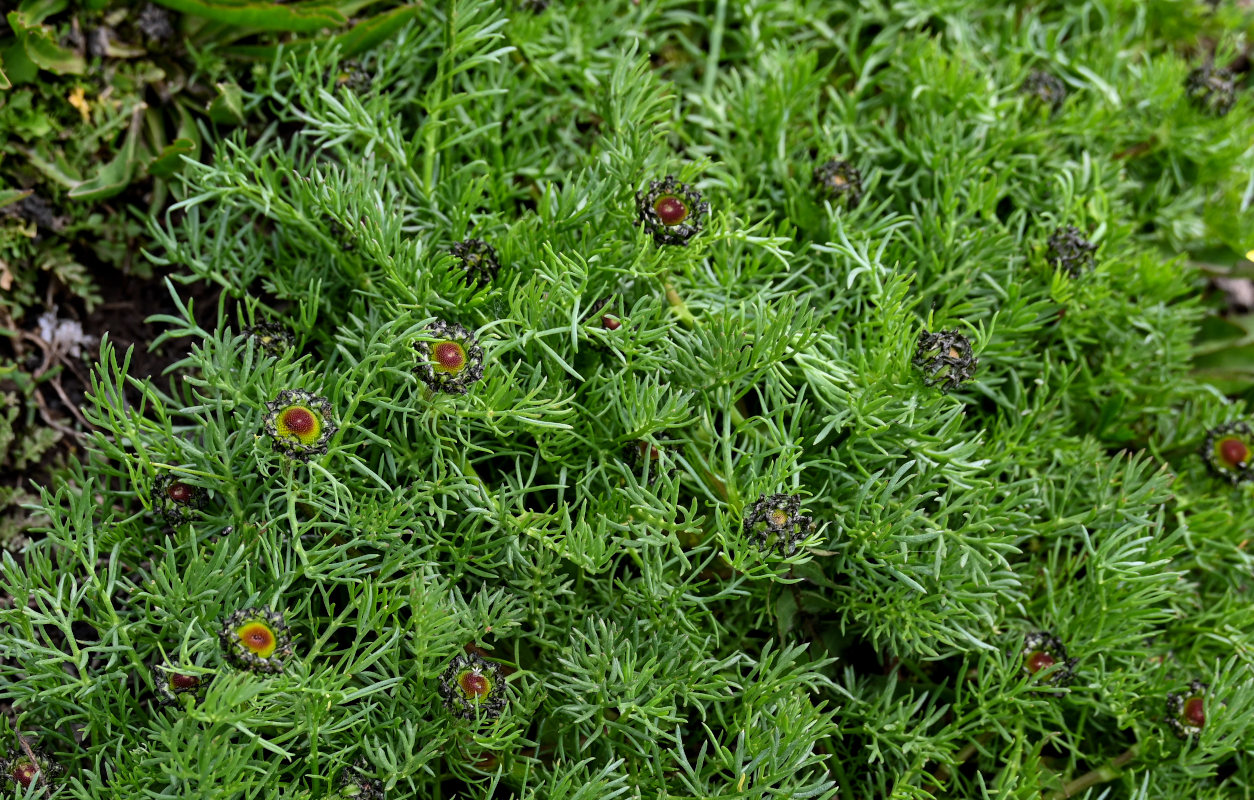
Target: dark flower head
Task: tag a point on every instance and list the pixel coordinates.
(1212, 89)
(945, 358)
(473, 687)
(450, 358)
(339, 233)
(775, 522)
(839, 181)
(300, 424)
(154, 22)
(1227, 449)
(673, 212)
(171, 683)
(1070, 251)
(534, 6)
(21, 770)
(1045, 87)
(256, 639)
(175, 500)
(355, 784)
(353, 77)
(1186, 710)
(478, 260)
(1042, 650)
(271, 337)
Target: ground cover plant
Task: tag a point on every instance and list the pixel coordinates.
(675, 399)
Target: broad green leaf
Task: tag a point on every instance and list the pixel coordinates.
(169, 160)
(8, 196)
(41, 48)
(304, 18)
(114, 176)
(228, 106)
(362, 37)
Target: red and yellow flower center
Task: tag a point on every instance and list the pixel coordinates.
(778, 518)
(449, 357)
(670, 209)
(258, 638)
(184, 683)
(300, 423)
(24, 773)
(1194, 712)
(474, 684)
(1232, 451)
(1038, 661)
(180, 492)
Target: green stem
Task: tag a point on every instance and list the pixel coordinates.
(1100, 775)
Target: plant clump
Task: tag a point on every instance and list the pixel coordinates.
(1227, 450)
(839, 181)
(1070, 251)
(945, 358)
(450, 359)
(300, 424)
(775, 522)
(256, 639)
(473, 687)
(672, 211)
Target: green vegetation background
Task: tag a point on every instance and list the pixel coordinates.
(656, 652)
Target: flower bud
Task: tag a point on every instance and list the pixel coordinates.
(945, 358)
(271, 338)
(1212, 89)
(300, 424)
(1070, 251)
(775, 522)
(673, 212)
(171, 683)
(450, 358)
(1042, 650)
(175, 500)
(1046, 88)
(1227, 450)
(1186, 710)
(478, 260)
(256, 639)
(473, 687)
(839, 181)
(22, 771)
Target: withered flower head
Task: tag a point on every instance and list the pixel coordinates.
(775, 522)
(256, 639)
(300, 423)
(945, 358)
(1227, 450)
(1186, 711)
(170, 683)
(356, 784)
(1042, 650)
(478, 260)
(1212, 89)
(1070, 251)
(449, 358)
(1049, 89)
(175, 500)
(272, 338)
(672, 211)
(20, 770)
(473, 687)
(839, 181)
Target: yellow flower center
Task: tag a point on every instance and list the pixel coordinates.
(299, 423)
(258, 638)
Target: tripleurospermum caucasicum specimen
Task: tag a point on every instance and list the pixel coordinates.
(776, 522)
(256, 639)
(300, 423)
(839, 181)
(272, 338)
(449, 358)
(1186, 710)
(672, 211)
(1212, 89)
(478, 260)
(1070, 251)
(1049, 89)
(1227, 449)
(945, 358)
(473, 687)
(170, 683)
(176, 500)
(20, 770)
(1042, 650)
